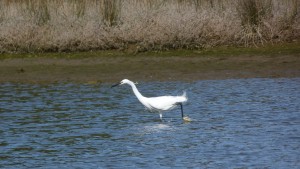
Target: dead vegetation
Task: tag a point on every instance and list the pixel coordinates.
(142, 25)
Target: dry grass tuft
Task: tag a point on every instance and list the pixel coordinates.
(81, 25)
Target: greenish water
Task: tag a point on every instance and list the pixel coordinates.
(241, 123)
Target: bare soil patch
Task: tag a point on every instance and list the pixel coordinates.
(98, 69)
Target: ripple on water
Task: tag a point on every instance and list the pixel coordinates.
(238, 123)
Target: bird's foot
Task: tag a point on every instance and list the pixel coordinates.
(186, 119)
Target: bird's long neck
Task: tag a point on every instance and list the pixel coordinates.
(137, 93)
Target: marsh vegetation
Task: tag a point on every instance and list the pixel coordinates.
(143, 25)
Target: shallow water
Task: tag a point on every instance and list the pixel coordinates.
(251, 123)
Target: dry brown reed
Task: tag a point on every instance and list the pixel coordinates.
(82, 25)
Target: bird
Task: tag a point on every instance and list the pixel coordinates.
(157, 104)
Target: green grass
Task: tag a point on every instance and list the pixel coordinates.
(274, 50)
(271, 49)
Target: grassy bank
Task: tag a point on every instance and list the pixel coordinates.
(273, 50)
(29, 26)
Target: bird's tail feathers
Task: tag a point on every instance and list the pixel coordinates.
(184, 95)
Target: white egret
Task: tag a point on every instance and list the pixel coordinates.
(157, 104)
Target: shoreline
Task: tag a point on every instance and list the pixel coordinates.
(185, 65)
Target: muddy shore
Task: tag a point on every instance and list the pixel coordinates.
(148, 67)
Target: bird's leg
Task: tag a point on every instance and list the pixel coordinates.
(181, 109)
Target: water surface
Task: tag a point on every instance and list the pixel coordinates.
(252, 123)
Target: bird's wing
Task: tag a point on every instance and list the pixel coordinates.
(165, 102)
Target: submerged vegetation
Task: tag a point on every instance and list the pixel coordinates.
(143, 25)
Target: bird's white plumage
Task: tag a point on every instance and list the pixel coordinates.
(164, 103)
(156, 104)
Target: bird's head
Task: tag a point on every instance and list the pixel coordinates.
(124, 81)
